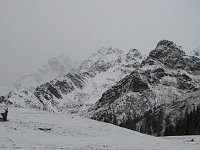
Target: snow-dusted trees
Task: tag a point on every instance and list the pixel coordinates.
(188, 125)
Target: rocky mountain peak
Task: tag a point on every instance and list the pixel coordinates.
(106, 58)
(133, 54)
(171, 55)
(115, 50)
(166, 49)
(166, 44)
(106, 51)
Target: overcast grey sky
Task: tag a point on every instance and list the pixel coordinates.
(31, 31)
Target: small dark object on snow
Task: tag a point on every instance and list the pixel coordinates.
(192, 140)
(45, 129)
(3, 116)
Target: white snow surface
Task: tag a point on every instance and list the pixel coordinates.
(76, 133)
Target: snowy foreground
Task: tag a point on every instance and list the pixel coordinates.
(30, 129)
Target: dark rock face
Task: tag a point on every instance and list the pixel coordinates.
(167, 44)
(53, 89)
(166, 50)
(132, 82)
(172, 57)
(183, 82)
(196, 66)
(77, 79)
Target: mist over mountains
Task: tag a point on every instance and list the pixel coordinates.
(55, 67)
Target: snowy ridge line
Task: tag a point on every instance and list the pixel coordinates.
(82, 87)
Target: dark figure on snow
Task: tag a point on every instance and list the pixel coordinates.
(4, 115)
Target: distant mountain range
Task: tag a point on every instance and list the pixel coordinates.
(55, 67)
(82, 87)
(148, 94)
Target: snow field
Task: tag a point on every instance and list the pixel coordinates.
(31, 129)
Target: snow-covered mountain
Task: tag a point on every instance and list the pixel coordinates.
(166, 77)
(55, 67)
(123, 88)
(195, 52)
(80, 89)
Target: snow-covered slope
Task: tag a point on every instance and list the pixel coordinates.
(23, 98)
(81, 88)
(55, 67)
(30, 129)
(166, 76)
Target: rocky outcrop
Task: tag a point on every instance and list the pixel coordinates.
(173, 57)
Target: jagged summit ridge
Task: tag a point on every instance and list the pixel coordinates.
(166, 44)
(167, 53)
(109, 57)
(82, 87)
(166, 49)
(103, 57)
(163, 78)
